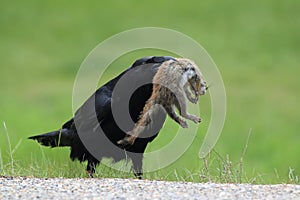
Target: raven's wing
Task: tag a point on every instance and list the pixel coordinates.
(98, 106)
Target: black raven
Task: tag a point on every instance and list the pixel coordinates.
(82, 131)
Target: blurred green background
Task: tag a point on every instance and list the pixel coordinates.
(255, 44)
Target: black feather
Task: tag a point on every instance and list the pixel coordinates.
(102, 100)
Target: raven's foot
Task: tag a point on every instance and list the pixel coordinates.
(90, 174)
(138, 175)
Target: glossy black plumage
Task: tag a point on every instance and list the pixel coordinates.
(100, 104)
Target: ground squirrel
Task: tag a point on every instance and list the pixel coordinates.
(172, 84)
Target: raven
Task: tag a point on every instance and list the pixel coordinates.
(94, 123)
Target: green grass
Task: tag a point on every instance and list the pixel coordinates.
(255, 44)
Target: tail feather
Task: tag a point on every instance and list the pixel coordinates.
(57, 138)
(66, 137)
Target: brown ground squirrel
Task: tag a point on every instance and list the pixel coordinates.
(172, 84)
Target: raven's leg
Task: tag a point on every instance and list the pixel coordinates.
(91, 168)
(137, 161)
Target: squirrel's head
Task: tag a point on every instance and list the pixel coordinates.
(194, 76)
(198, 85)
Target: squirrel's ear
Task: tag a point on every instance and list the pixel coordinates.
(172, 62)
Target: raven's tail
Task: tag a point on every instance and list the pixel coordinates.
(57, 138)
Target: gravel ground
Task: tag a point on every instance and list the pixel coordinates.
(61, 188)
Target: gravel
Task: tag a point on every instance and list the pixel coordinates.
(62, 188)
